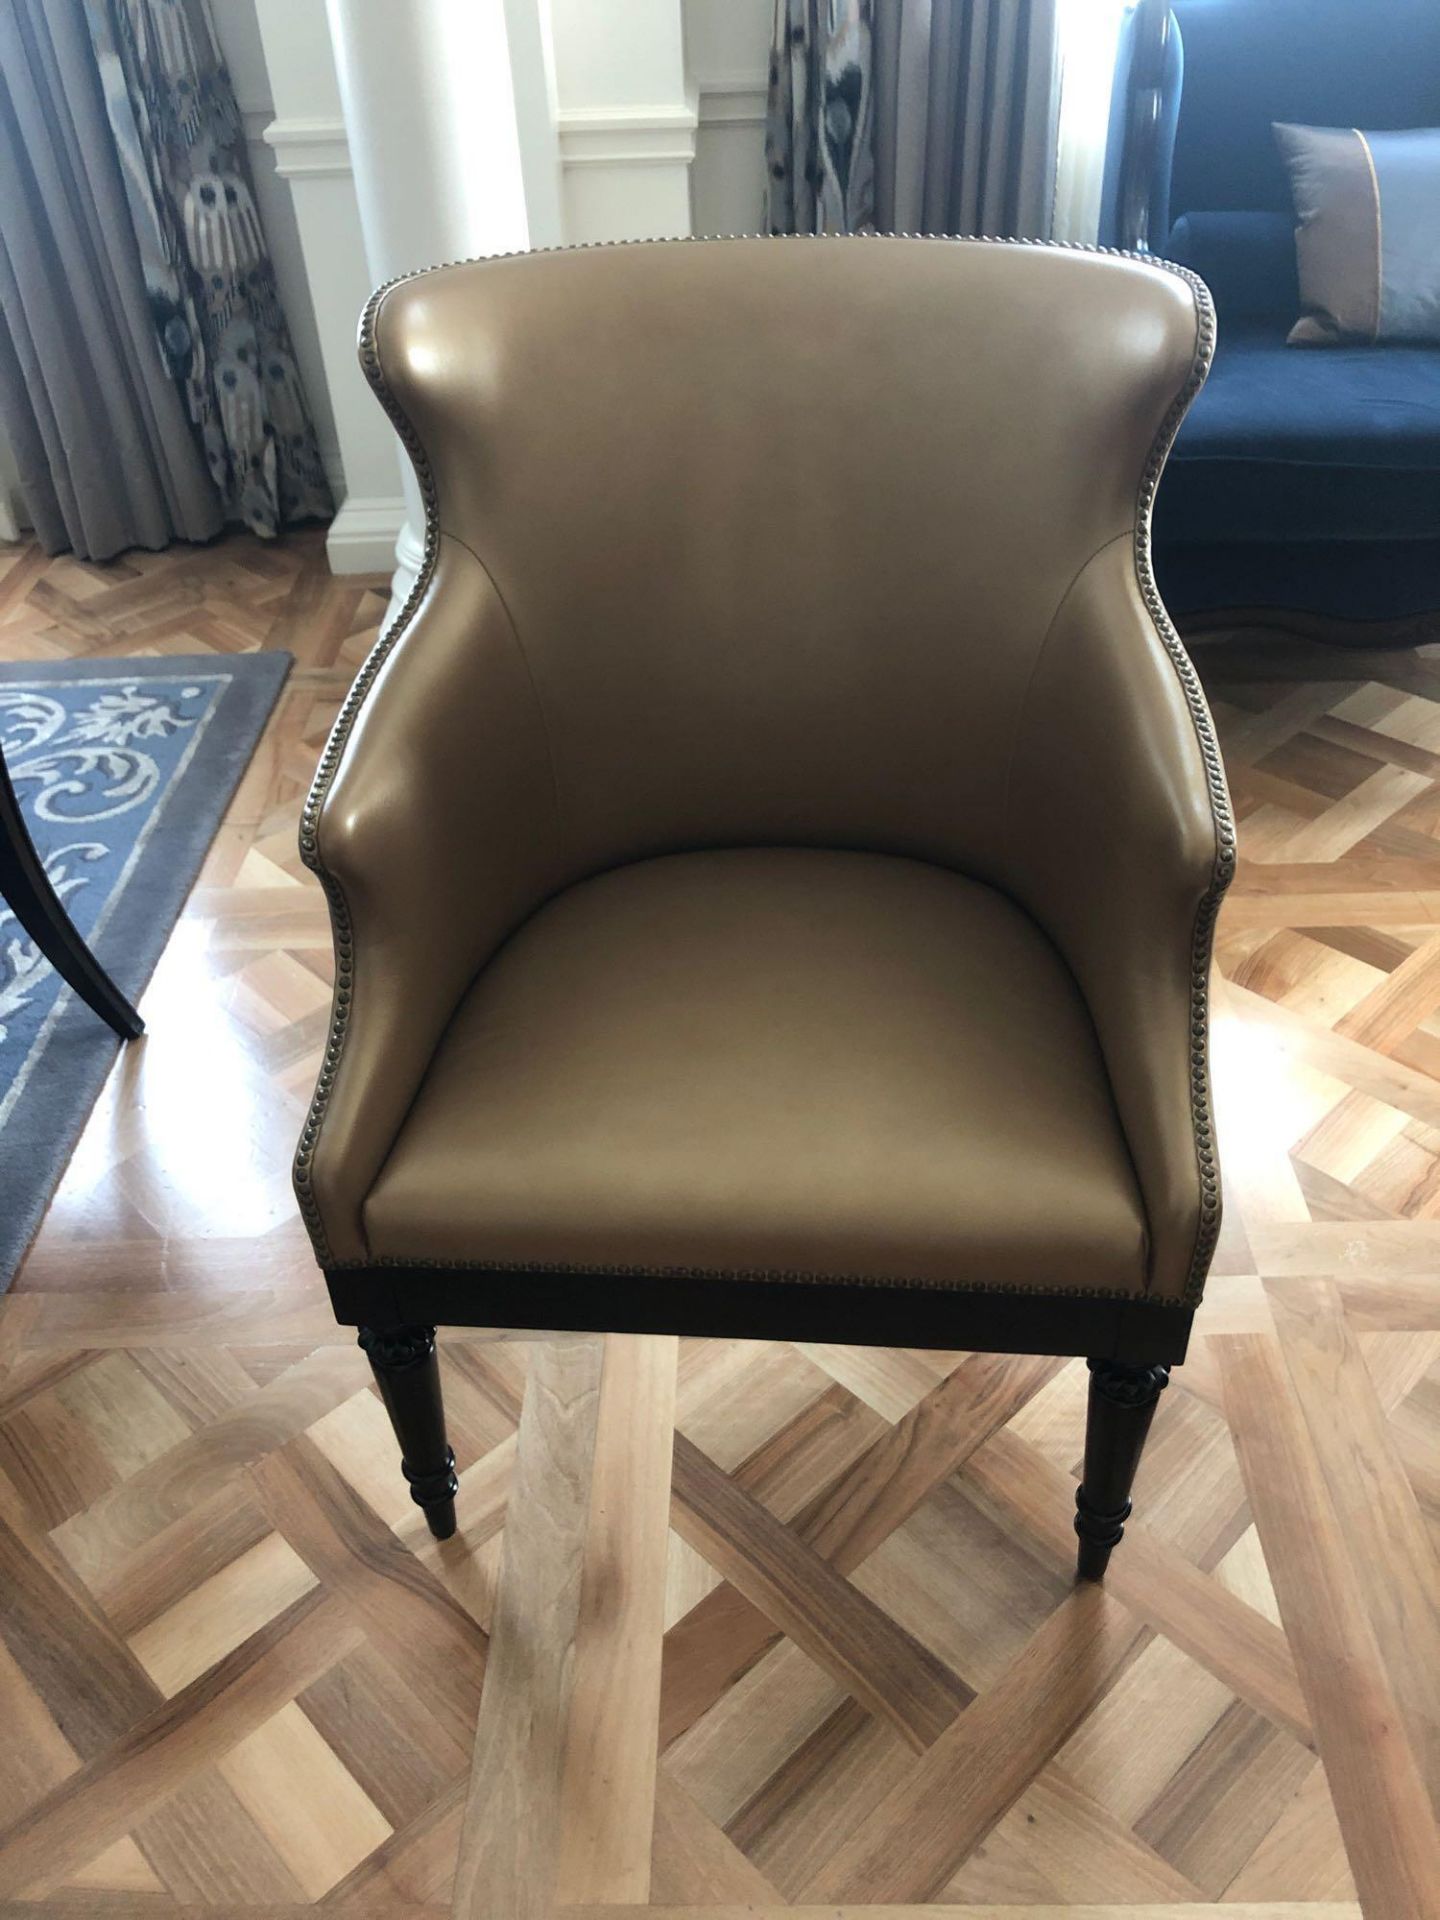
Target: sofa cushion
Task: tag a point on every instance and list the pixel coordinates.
(1246, 259)
(1358, 406)
(1281, 445)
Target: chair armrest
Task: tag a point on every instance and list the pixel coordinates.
(433, 827)
(1122, 845)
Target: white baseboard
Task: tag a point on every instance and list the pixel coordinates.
(362, 535)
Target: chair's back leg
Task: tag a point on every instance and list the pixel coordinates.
(1122, 1405)
(408, 1374)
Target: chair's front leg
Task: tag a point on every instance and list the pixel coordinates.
(408, 1374)
(1122, 1405)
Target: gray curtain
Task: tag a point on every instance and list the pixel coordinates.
(967, 106)
(960, 110)
(106, 455)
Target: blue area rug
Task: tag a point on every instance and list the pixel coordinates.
(123, 770)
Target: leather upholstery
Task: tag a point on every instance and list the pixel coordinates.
(778, 1059)
(827, 546)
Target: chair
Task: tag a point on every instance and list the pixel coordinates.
(1305, 481)
(773, 855)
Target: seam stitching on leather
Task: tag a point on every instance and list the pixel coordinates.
(525, 662)
(1126, 533)
(342, 930)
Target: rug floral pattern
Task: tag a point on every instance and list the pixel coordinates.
(123, 770)
(91, 763)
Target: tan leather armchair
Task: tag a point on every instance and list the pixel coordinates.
(774, 855)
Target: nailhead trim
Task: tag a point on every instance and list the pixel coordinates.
(760, 1275)
(1223, 872)
(342, 928)
(1203, 940)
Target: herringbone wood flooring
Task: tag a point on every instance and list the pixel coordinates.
(760, 1627)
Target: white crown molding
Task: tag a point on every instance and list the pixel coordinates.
(255, 116)
(733, 100)
(308, 147)
(588, 136)
(645, 136)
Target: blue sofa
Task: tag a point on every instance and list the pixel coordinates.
(1305, 479)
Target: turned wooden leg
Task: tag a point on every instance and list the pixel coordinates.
(1122, 1405)
(405, 1366)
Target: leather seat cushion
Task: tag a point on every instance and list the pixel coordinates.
(771, 1062)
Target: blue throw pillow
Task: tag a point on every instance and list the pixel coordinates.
(1368, 239)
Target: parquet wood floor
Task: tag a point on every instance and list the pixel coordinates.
(770, 1628)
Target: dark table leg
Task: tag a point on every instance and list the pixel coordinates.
(25, 887)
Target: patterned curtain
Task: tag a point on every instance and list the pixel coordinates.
(212, 290)
(105, 454)
(916, 116)
(820, 168)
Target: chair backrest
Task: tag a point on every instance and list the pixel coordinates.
(782, 525)
(1329, 63)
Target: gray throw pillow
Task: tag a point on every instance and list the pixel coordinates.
(1368, 239)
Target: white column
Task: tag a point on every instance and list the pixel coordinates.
(627, 118)
(430, 110)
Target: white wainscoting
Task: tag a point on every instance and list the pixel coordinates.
(625, 170)
(728, 177)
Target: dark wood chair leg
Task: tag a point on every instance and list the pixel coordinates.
(408, 1374)
(1122, 1405)
(25, 888)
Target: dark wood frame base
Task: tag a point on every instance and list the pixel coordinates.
(858, 1316)
(1131, 1346)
